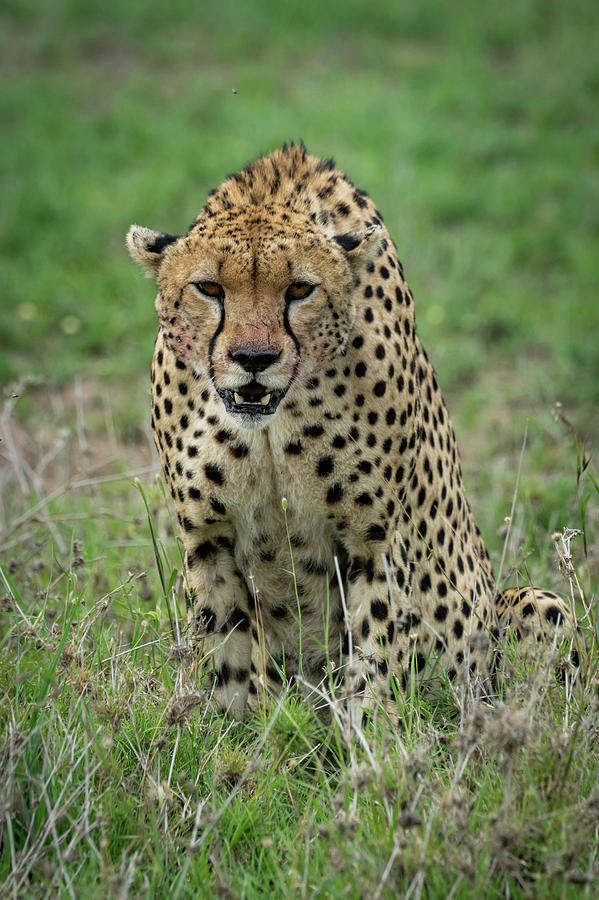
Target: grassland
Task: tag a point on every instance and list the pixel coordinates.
(475, 129)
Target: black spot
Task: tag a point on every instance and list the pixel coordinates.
(334, 493)
(379, 610)
(324, 466)
(205, 550)
(239, 620)
(217, 506)
(223, 676)
(315, 567)
(272, 672)
(313, 431)
(458, 628)
(239, 450)
(168, 406)
(375, 532)
(379, 388)
(338, 442)
(347, 241)
(214, 473)
(365, 628)
(425, 583)
(553, 614)
(390, 416)
(364, 499)
(360, 370)
(441, 612)
(293, 448)
(279, 612)
(205, 619)
(182, 387)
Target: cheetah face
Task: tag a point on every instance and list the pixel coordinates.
(257, 298)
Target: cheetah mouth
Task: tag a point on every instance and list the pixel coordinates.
(251, 399)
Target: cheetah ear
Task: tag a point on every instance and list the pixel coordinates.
(361, 246)
(145, 247)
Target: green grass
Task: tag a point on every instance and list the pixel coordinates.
(119, 778)
(474, 127)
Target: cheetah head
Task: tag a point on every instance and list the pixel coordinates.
(257, 298)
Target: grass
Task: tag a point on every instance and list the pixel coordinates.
(119, 777)
(474, 128)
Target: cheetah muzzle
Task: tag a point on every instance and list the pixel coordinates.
(287, 364)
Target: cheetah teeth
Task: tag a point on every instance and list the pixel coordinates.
(265, 400)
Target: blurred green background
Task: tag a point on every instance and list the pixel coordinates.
(473, 125)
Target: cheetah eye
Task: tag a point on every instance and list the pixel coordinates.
(209, 289)
(299, 290)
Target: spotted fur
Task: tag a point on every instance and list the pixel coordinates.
(328, 400)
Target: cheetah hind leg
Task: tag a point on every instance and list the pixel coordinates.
(535, 616)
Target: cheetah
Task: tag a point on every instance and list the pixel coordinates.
(308, 449)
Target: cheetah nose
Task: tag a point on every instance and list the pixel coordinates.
(255, 360)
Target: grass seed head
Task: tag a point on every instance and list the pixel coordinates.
(181, 706)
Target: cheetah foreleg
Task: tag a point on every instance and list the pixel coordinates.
(220, 626)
